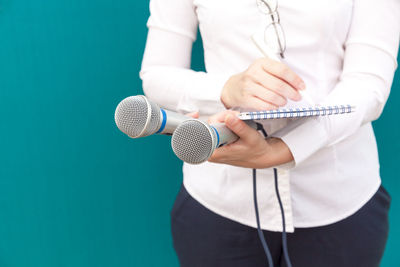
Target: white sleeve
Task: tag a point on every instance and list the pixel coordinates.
(166, 74)
(369, 64)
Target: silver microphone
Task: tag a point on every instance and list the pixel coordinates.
(137, 116)
(194, 141)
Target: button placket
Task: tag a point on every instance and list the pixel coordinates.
(284, 192)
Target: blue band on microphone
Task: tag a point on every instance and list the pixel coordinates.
(164, 121)
(215, 130)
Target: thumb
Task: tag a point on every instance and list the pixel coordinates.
(239, 127)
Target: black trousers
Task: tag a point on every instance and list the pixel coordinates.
(204, 239)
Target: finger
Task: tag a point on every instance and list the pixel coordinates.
(220, 116)
(254, 103)
(219, 154)
(267, 95)
(283, 72)
(239, 127)
(278, 86)
(225, 153)
(194, 115)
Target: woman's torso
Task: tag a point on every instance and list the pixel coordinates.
(335, 181)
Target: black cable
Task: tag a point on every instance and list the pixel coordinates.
(260, 127)
(260, 233)
(284, 238)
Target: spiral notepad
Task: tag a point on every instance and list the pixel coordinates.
(296, 112)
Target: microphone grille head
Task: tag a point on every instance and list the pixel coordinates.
(155, 120)
(193, 141)
(137, 117)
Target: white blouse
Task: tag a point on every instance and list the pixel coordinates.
(344, 50)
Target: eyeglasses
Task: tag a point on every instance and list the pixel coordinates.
(274, 37)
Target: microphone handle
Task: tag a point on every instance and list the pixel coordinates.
(224, 135)
(170, 120)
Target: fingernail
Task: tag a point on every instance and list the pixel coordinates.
(302, 86)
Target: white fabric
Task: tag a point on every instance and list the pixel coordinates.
(346, 53)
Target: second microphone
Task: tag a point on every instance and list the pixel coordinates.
(194, 141)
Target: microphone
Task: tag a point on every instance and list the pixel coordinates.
(194, 141)
(136, 116)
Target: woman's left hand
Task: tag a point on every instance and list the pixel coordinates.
(251, 150)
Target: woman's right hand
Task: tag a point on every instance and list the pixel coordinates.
(265, 85)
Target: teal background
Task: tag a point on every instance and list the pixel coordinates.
(74, 191)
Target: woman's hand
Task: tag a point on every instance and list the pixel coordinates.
(251, 150)
(265, 85)
(194, 115)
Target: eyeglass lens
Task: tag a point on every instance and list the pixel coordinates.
(275, 38)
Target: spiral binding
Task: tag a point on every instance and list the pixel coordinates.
(296, 112)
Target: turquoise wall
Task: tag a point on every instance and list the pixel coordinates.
(74, 191)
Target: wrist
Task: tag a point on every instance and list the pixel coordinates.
(225, 97)
(227, 93)
(278, 152)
